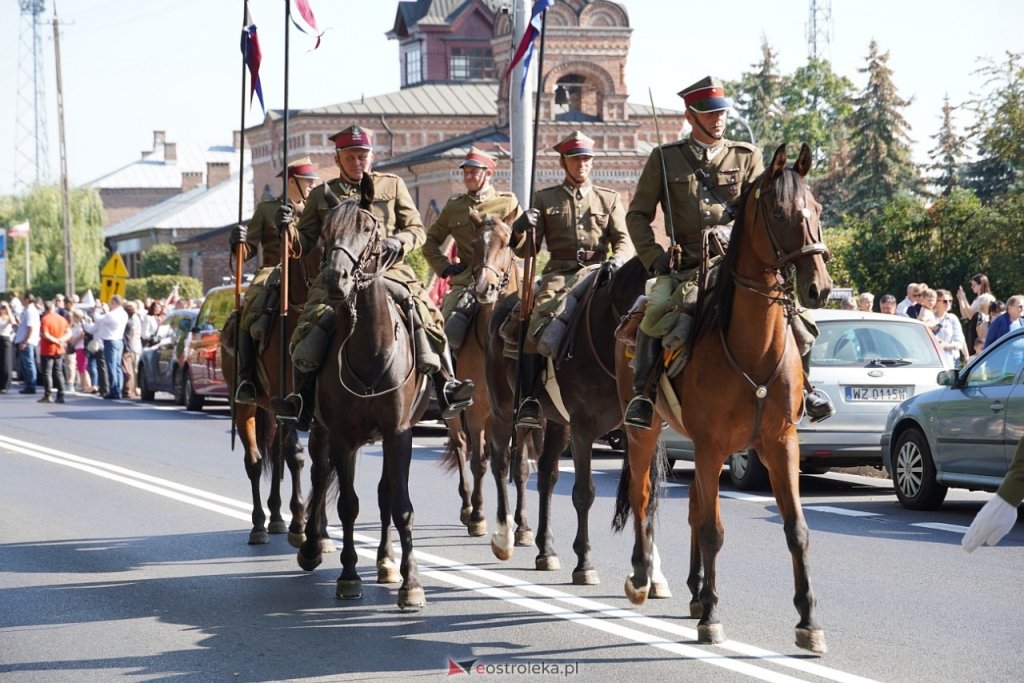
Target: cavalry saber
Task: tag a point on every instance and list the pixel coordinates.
(285, 234)
(667, 207)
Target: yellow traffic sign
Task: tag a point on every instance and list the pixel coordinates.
(112, 278)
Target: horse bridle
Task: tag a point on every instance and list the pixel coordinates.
(371, 251)
(503, 275)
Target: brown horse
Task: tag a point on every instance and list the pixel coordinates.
(257, 429)
(368, 389)
(743, 386)
(589, 399)
(495, 276)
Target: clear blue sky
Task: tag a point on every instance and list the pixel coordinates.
(132, 66)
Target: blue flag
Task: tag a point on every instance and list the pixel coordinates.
(253, 56)
(525, 50)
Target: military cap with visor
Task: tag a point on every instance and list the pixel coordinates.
(352, 137)
(576, 144)
(706, 95)
(479, 158)
(301, 168)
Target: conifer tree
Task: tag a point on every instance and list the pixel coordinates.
(757, 102)
(881, 167)
(948, 154)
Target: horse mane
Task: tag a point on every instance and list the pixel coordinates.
(785, 188)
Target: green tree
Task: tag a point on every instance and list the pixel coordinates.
(998, 131)
(881, 167)
(757, 101)
(160, 259)
(948, 154)
(818, 107)
(41, 207)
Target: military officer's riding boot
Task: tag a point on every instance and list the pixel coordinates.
(297, 406)
(529, 413)
(817, 404)
(453, 395)
(245, 392)
(640, 410)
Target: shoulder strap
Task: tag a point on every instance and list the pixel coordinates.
(704, 179)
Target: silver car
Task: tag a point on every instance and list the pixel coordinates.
(867, 363)
(963, 434)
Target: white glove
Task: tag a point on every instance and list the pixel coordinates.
(990, 524)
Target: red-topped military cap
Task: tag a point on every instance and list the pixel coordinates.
(576, 144)
(706, 95)
(353, 136)
(480, 158)
(301, 168)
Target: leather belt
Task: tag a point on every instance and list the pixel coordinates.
(581, 255)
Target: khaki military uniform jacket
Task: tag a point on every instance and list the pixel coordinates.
(262, 232)
(454, 221)
(392, 205)
(579, 224)
(731, 171)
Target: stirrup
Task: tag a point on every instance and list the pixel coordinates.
(528, 415)
(639, 412)
(458, 395)
(245, 393)
(819, 408)
(287, 409)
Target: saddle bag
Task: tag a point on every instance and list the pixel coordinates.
(313, 336)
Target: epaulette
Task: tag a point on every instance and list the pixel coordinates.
(502, 193)
(609, 190)
(743, 145)
(384, 175)
(456, 196)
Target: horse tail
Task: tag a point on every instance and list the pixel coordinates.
(450, 458)
(534, 444)
(659, 471)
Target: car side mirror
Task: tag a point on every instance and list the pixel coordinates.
(947, 378)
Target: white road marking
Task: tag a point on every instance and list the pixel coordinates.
(583, 611)
(748, 497)
(840, 511)
(939, 526)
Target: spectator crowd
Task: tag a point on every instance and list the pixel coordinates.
(68, 345)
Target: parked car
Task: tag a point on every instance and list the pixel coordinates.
(160, 364)
(202, 377)
(963, 434)
(867, 363)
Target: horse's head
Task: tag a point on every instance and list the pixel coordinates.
(351, 239)
(791, 243)
(493, 261)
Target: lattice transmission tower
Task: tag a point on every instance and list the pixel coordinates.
(819, 30)
(31, 164)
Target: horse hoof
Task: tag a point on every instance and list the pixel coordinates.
(696, 609)
(309, 563)
(660, 590)
(387, 572)
(411, 598)
(636, 594)
(296, 539)
(258, 537)
(278, 527)
(547, 563)
(500, 550)
(811, 639)
(524, 538)
(478, 528)
(349, 589)
(327, 546)
(585, 577)
(710, 634)
(465, 514)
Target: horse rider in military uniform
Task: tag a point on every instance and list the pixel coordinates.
(460, 303)
(263, 232)
(705, 175)
(579, 222)
(402, 232)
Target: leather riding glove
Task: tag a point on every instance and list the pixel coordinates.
(453, 269)
(238, 235)
(526, 221)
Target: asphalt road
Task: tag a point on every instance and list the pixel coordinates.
(123, 556)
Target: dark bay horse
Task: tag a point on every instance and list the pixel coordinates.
(368, 389)
(590, 402)
(266, 452)
(743, 387)
(495, 276)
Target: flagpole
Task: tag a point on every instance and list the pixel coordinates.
(283, 369)
(536, 107)
(240, 247)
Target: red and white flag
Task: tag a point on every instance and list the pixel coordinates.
(18, 230)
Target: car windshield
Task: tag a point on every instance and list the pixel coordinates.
(873, 343)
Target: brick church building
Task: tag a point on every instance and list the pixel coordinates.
(451, 56)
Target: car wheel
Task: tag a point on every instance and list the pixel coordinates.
(913, 473)
(145, 392)
(193, 401)
(179, 387)
(747, 473)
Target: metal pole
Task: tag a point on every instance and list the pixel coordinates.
(519, 123)
(65, 192)
(283, 377)
(240, 247)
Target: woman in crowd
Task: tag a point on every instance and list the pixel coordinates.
(7, 324)
(976, 312)
(947, 330)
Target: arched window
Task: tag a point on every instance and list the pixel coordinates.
(574, 99)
